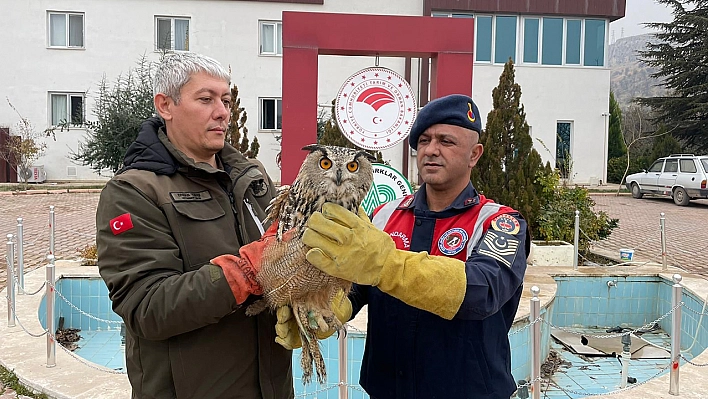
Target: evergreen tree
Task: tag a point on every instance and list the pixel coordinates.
(509, 166)
(329, 134)
(680, 56)
(664, 145)
(615, 142)
(237, 125)
(119, 112)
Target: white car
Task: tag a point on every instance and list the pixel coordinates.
(679, 176)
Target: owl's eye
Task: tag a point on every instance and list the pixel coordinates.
(325, 163)
(352, 166)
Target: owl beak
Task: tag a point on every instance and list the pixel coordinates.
(339, 177)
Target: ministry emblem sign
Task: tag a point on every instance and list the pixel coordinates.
(375, 108)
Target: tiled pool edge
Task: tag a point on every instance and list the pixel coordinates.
(27, 355)
(71, 379)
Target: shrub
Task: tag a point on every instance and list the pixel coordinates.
(556, 220)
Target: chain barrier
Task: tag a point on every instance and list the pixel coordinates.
(692, 363)
(317, 392)
(587, 394)
(696, 312)
(90, 316)
(84, 361)
(17, 284)
(538, 320)
(528, 384)
(604, 336)
(17, 319)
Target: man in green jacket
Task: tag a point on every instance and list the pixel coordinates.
(179, 241)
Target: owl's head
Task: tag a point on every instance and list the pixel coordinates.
(341, 175)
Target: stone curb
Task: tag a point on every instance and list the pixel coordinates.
(59, 191)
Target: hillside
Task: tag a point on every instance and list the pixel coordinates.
(631, 78)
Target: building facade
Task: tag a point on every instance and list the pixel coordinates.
(58, 51)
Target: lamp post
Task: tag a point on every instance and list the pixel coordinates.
(604, 153)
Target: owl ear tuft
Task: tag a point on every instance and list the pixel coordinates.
(313, 147)
(365, 154)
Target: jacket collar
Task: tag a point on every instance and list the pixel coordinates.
(467, 198)
(153, 151)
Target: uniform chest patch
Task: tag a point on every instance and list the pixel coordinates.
(190, 196)
(506, 224)
(452, 241)
(401, 238)
(500, 246)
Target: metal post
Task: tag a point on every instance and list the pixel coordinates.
(676, 297)
(51, 230)
(20, 256)
(51, 328)
(343, 391)
(535, 343)
(575, 243)
(626, 356)
(10, 282)
(664, 267)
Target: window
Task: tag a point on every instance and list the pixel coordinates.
(172, 33)
(552, 44)
(572, 41)
(66, 107)
(671, 166)
(594, 42)
(271, 113)
(484, 38)
(66, 29)
(505, 39)
(656, 166)
(563, 154)
(271, 38)
(531, 40)
(687, 166)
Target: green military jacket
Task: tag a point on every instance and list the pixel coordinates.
(159, 222)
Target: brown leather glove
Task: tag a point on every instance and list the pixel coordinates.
(240, 271)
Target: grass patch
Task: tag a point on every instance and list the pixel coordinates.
(8, 379)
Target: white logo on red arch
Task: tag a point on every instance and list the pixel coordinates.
(452, 241)
(375, 108)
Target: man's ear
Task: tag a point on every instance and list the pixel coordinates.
(163, 105)
(477, 152)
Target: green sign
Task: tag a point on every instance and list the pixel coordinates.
(388, 185)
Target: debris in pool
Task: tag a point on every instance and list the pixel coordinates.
(67, 337)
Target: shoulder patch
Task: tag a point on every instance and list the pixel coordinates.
(499, 246)
(506, 224)
(121, 224)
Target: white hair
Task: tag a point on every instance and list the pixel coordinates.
(175, 70)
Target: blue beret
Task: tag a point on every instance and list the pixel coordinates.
(454, 109)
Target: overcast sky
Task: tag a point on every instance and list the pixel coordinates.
(637, 12)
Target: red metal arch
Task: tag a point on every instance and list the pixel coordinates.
(448, 41)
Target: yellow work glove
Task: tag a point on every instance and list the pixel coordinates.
(286, 328)
(350, 247)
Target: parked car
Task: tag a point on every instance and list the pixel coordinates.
(679, 176)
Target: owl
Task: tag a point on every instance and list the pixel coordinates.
(328, 174)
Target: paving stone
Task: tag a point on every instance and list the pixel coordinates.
(75, 227)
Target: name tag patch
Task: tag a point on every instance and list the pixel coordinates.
(499, 246)
(190, 196)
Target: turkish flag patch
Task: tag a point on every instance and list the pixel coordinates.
(121, 224)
